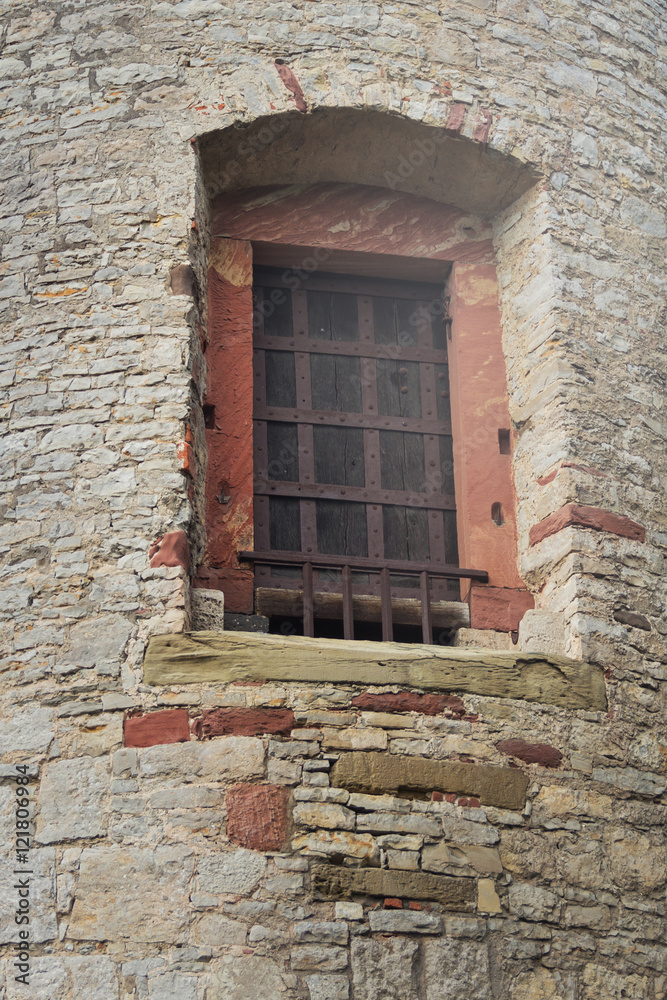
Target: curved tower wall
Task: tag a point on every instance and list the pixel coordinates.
(150, 878)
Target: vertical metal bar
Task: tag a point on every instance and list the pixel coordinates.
(427, 634)
(385, 601)
(348, 612)
(308, 605)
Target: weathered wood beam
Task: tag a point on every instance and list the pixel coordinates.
(405, 611)
(209, 657)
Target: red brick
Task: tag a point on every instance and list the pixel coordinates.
(245, 722)
(437, 796)
(413, 905)
(482, 126)
(172, 549)
(391, 903)
(456, 118)
(473, 803)
(257, 816)
(498, 608)
(169, 726)
(407, 701)
(531, 753)
(578, 516)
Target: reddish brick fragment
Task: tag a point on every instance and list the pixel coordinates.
(408, 701)
(578, 516)
(456, 118)
(531, 753)
(450, 797)
(482, 125)
(473, 803)
(498, 608)
(437, 796)
(172, 549)
(170, 726)
(257, 816)
(391, 903)
(413, 905)
(292, 84)
(246, 722)
(462, 801)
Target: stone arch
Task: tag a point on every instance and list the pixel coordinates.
(365, 146)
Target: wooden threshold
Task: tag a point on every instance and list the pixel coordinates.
(404, 611)
(230, 657)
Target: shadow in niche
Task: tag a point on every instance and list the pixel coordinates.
(358, 146)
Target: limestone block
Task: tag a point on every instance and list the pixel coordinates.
(230, 871)
(385, 967)
(207, 610)
(538, 984)
(68, 977)
(349, 911)
(391, 823)
(353, 845)
(488, 900)
(214, 930)
(456, 970)
(637, 863)
(172, 986)
(245, 977)
(72, 798)
(445, 857)
(226, 757)
(98, 738)
(354, 739)
(132, 893)
(318, 958)
(482, 638)
(321, 931)
(542, 632)
(99, 643)
(324, 814)
(405, 922)
(531, 902)
(328, 987)
(42, 888)
(29, 728)
(601, 982)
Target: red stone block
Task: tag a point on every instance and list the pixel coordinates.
(413, 905)
(578, 516)
(170, 726)
(531, 753)
(245, 722)
(498, 608)
(450, 797)
(407, 701)
(391, 903)
(482, 126)
(172, 549)
(437, 796)
(473, 803)
(456, 118)
(257, 816)
(462, 801)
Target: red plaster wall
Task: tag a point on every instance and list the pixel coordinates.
(483, 476)
(229, 476)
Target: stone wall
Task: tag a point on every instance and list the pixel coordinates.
(147, 882)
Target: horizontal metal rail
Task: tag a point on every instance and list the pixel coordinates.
(384, 567)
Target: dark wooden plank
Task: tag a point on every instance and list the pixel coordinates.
(355, 494)
(399, 391)
(384, 321)
(446, 463)
(319, 315)
(308, 605)
(268, 277)
(338, 453)
(385, 597)
(442, 392)
(351, 349)
(289, 604)
(341, 528)
(425, 594)
(351, 419)
(280, 380)
(405, 533)
(277, 315)
(336, 383)
(402, 461)
(348, 616)
(284, 524)
(282, 449)
(286, 558)
(408, 322)
(429, 392)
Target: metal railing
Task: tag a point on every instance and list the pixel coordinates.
(309, 562)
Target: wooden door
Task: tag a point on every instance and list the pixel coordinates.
(352, 430)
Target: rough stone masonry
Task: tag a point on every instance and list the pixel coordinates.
(209, 839)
